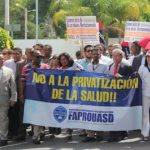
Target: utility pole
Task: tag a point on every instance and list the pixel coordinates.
(36, 8)
(6, 12)
(25, 22)
(25, 19)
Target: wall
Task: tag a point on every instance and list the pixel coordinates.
(59, 45)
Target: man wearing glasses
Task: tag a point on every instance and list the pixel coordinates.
(35, 63)
(88, 57)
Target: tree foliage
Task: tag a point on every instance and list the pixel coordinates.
(52, 14)
(5, 40)
(113, 13)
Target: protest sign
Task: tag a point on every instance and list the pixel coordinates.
(135, 31)
(70, 99)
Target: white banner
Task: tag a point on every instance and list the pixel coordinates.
(83, 116)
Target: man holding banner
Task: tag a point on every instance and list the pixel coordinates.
(35, 63)
(97, 67)
(85, 100)
(118, 69)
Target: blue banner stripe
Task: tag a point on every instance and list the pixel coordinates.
(58, 86)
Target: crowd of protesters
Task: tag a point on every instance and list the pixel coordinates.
(15, 69)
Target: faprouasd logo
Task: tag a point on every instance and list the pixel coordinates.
(60, 114)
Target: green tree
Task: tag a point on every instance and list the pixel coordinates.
(5, 40)
(17, 16)
(118, 11)
(146, 13)
(52, 14)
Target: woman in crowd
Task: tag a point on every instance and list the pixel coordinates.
(144, 72)
(54, 63)
(67, 63)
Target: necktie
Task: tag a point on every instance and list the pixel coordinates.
(115, 69)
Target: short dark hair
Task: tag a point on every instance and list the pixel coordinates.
(38, 44)
(137, 46)
(78, 54)
(110, 45)
(102, 45)
(29, 50)
(87, 47)
(18, 49)
(54, 57)
(49, 47)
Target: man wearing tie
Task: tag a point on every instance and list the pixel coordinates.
(118, 69)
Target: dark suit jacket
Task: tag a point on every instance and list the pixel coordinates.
(136, 63)
(19, 66)
(125, 70)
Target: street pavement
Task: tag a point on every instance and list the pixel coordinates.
(133, 142)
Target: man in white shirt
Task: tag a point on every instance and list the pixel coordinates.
(103, 59)
(95, 66)
(11, 63)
